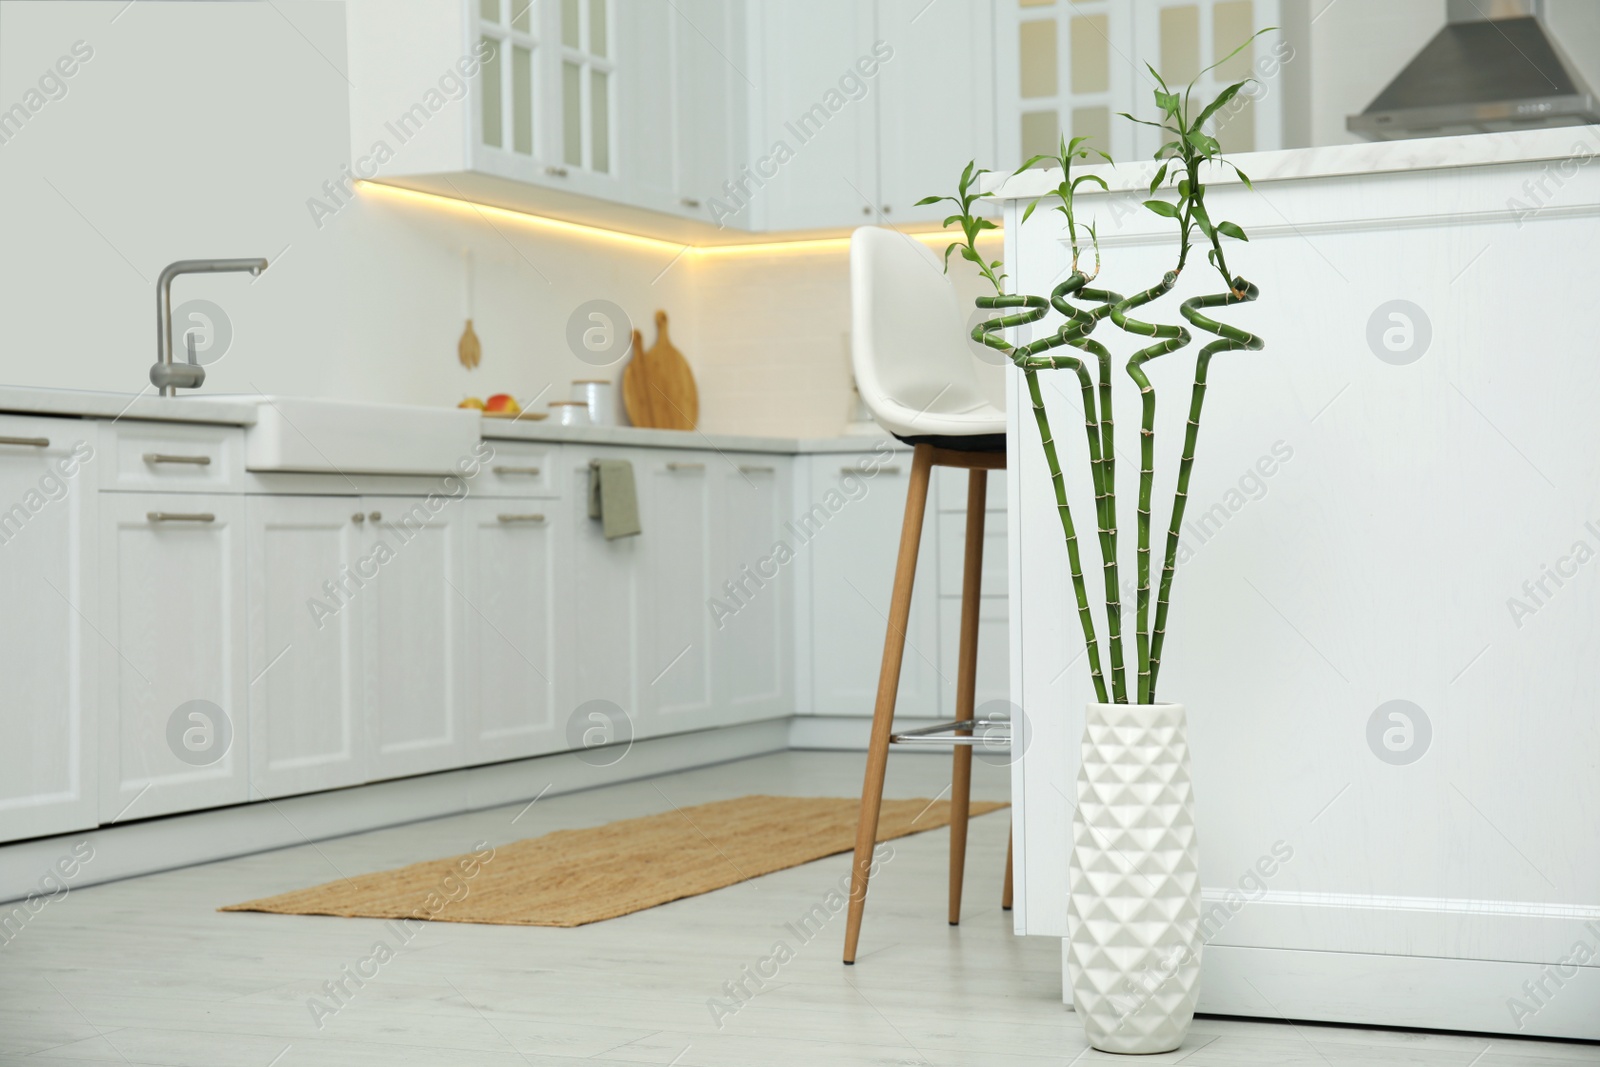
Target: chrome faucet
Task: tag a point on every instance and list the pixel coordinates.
(166, 375)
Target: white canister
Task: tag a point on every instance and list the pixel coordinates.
(596, 394)
(569, 412)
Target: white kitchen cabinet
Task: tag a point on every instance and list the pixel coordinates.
(815, 123)
(512, 628)
(675, 489)
(753, 634)
(172, 653)
(851, 525)
(711, 91)
(309, 586)
(414, 614)
(603, 597)
(935, 102)
(48, 647)
(613, 112)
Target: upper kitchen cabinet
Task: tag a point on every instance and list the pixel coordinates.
(609, 112)
(939, 90)
(865, 108)
(1064, 71)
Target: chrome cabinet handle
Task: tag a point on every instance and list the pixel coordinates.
(686, 466)
(892, 468)
(532, 471)
(521, 518)
(26, 442)
(180, 516)
(166, 457)
(757, 470)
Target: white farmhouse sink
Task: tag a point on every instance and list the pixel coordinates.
(294, 433)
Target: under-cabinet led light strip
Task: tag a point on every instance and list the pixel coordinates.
(578, 229)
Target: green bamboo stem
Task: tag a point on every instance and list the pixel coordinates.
(1231, 339)
(984, 333)
(1106, 299)
(1169, 339)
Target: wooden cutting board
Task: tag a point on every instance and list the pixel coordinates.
(675, 402)
(636, 391)
(658, 387)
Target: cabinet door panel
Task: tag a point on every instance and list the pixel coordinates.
(935, 100)
(604, 602)
(819, 144)
(47, 647)
(512, 628)
(413, 615)
(710, 105)
(752, 635)
(676, 669)
(307, 586)
(853, 525)
(172, 664)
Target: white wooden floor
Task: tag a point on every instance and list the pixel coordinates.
(146, 971)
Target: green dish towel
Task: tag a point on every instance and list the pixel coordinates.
(612, 497)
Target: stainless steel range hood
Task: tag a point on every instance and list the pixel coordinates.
(1495, 66)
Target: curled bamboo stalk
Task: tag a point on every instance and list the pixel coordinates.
(1230, 339)
(1034, 309)
(1169, 339)
(1106, 300)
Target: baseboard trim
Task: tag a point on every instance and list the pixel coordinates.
(33, 869)
(1412, 992)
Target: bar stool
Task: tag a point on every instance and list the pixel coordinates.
(916, 375)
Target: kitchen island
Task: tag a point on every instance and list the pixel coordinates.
(1386, 609)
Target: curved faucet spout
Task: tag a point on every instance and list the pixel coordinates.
(166, 375)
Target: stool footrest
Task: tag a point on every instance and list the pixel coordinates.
(986, 732)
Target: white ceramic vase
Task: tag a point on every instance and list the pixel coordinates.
(1133, 917)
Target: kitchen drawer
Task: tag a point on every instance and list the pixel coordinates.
(951, 489)
(953, 549)
(518, 469)
(172, 457)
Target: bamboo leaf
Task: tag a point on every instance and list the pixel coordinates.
(1157, 75)
(925, 201)
(1203, 142)
(1232, 229)
(1243, 45)
(949, 219)
(1167, 102)
(1161, 207)
(1029, 213)
(1031, 162)
(1197, 211)
(1243, 177)
(1080, 179)
(1161, 176)
(1220, 102)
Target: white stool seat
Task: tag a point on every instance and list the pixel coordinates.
(913, 367)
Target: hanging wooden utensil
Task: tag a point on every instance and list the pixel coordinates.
(675, 402)
(468, 350)
(636, 390)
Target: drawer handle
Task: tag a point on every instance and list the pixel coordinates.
(26, 442)
(892, 468)
(166, 457)
(556, 172)
(757, 470)
(180, 516)
(376, 516)
(686, 466)
(521, 518)
(531, 471)
(689, 201)
(358, 518)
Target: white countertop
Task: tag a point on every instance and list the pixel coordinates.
(1377, 157)
(235, 410)
(523, 430)
(87, 404)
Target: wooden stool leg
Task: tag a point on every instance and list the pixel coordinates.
(894, 646)
(1005, 894)
(966, 684)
